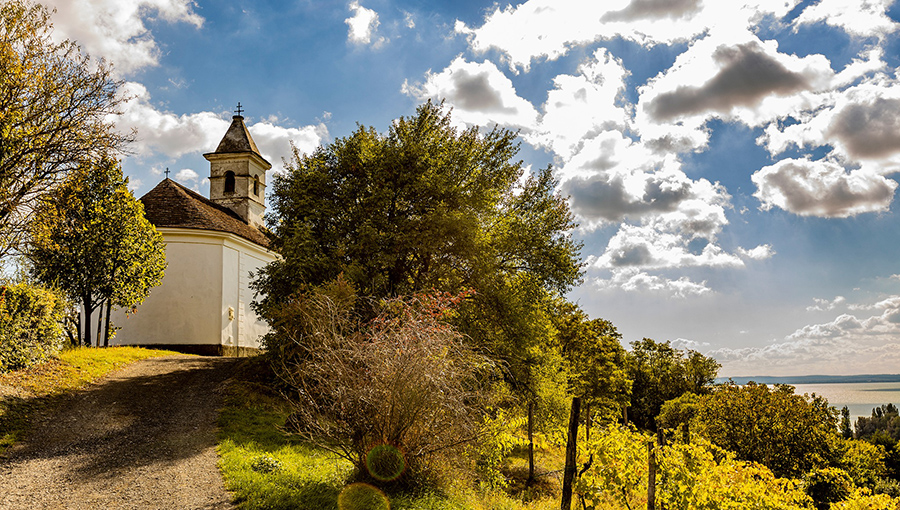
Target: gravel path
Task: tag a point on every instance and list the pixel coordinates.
(143, 437)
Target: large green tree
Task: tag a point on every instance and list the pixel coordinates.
(90, 239)
(789, 433)
(593, 351)
(55, 105)
(428, 206)
(660, 372)
(423, 206)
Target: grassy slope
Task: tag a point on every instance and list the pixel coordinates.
(27, 391)
(308, 477)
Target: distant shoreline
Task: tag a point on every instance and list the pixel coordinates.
(814, 379)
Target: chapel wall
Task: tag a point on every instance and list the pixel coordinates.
(185, 309)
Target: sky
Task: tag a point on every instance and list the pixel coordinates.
(732, 164)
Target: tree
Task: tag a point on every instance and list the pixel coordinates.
(90, 239)
(424, 206)
(846, 430)
(659, 373)
(55, 103)
(595, 357)
(885, 419)
(790, 434)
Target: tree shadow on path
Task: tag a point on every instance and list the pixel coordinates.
(150, 426)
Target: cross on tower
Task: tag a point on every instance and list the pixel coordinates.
(239, 110)
(167, 172)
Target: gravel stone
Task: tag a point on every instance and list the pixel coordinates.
(141, 438)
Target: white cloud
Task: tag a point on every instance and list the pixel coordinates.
(634, 280)
(548, 29)
(363, 25)
(685, 344)
(860, 18)
(621, 163)
(733, 76)
(165, 132)
(891, 302)
(653, 248)
(761, 252)
(274, 142)
(869, 128)
(116, 29)
(822, 305)
(187, 175)
(847, 344)
(581, 106)
(858, 122)
(604, 187)
(822, 188)
(161, 132)
(479, 94)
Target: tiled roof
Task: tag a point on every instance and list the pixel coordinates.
(170, 204)
(237, 139)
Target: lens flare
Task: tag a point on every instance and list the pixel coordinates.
(385, 463)
(362, 496)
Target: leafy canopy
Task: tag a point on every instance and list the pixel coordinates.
(789, 433)
(596, 360)
(91, 239)
(427, 206)
(55, 104)
(423, 206)
(659, 373)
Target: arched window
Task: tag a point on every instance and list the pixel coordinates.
(256, 185)
(229, 182)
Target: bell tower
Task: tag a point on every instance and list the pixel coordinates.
(237, 173)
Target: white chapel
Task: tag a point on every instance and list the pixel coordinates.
(212, 247)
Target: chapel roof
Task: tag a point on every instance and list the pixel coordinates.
(237, 139)
(170, 204)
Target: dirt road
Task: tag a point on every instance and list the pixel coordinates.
(143, 437)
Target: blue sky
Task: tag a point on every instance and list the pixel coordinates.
(733, 165)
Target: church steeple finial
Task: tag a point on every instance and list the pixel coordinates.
(237, 172)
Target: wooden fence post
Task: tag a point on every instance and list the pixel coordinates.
(571, 450)
(651, 476)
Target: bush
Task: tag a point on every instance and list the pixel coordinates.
(391, 394)
(828, 485)
(863, 461)
(887, 486)
(788, 433)
(690, 476)
(30, 325)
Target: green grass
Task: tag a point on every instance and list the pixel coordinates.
(28, 391)
(310, 477)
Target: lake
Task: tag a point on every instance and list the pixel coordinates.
(860, 398)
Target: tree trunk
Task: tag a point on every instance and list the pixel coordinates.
(530, 479)
(571, 450)
(99, 322)
(106, 329)
(588, 421)
(88, 307)
(76, 338)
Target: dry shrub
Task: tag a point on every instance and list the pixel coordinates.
(390, 394)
